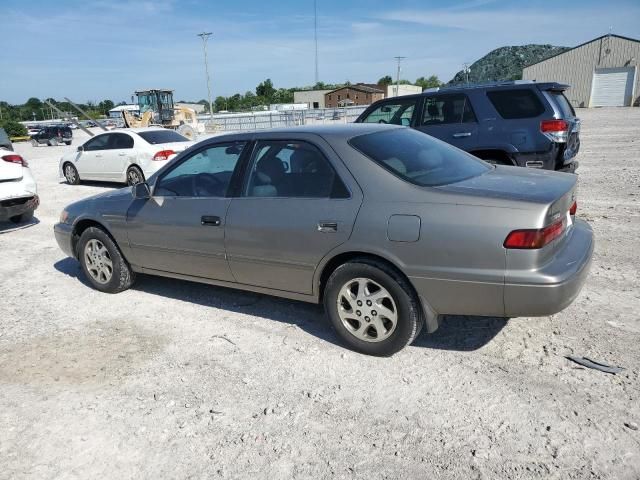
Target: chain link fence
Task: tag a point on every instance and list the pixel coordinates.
(234, 122)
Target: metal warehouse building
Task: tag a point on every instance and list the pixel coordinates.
(602, 72)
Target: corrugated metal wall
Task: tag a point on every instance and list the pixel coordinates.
(576, 66)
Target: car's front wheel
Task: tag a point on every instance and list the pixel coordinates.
(103, 263)
(372, 307)
(71, 174)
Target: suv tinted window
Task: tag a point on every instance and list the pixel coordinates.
(445, 109)
(512, 104)
(419, 158)
(155, 137)
(397, 113)
(292, 169)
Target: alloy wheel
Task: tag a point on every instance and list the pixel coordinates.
(367, 310)
(98, 261)
(70, 174)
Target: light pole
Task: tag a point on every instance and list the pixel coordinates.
(315, 36)
(398, 75)
(205, 36)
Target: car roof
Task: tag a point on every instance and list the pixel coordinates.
(135, 130)
(344, 131)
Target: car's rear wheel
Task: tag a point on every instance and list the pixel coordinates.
(134, 176)
(102, 263)
(68, 142)
(23, 218)
(372, 307)
(71, 174)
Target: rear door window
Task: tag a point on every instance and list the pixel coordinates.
(397, 112)
(120, 141)
(516, 103)
(447, 109)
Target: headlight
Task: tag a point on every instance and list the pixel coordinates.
(64, 216)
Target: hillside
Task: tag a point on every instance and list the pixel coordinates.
(506, 63)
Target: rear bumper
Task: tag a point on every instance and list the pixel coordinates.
(18, 206)
(555, 286)
(63, 233)
(556, 158)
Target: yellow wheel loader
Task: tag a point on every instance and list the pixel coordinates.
(157, 108)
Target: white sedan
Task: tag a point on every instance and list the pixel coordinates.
(18, 191)
(127, 155)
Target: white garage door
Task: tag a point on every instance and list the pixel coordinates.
(612, 87)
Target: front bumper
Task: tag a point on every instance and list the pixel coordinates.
(64, 236)
(555, 286)
(17, 206)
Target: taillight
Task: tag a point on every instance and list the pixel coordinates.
(163, 155)
(15, 159)
(535, 238)
(556, 130)
(574, 208)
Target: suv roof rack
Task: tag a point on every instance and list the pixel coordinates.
(502, 83)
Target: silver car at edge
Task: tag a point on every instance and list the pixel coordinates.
(389, 227)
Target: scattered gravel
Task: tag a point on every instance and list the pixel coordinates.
(173, 379)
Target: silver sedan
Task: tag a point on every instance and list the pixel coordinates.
(389, 227)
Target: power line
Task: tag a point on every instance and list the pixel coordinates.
(399, 59)
(205, 36)
(315, 34)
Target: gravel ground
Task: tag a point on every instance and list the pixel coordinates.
(173, 379)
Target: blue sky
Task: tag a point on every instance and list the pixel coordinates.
(92, 50)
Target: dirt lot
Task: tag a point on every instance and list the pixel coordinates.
(178, 380)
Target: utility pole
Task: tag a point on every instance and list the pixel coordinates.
(315, 35)
(399, 59)
(205, 36)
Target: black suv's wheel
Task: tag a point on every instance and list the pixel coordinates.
(134, 175)
(102, 263)
(71, 174)
(372, 308)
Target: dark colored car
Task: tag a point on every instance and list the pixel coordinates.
(52, 135)
(389, 227)
(520, 123)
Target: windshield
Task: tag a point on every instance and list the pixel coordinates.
(154, 137)
(419, 158)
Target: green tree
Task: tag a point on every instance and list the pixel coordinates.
(432, 82)
(13, 128)
(386, 80)
(265, 89)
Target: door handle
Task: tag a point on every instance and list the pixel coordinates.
(461, 134)
(210, 221)
(328, 227)
(98, 155)
(121, 154)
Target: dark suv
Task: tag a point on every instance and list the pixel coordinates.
(52, 135)
(520, 123)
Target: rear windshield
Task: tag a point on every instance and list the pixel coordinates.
(565, 107)
(513, 103)
(154, 137)
(419, 158)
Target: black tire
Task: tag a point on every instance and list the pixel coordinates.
(23, 218)
(122, 277)
(409, 312)
(71, 174)
(134, 175)
(68, 143)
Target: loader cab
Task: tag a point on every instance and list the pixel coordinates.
(160, 102)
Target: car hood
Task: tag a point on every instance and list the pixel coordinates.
(516, 184)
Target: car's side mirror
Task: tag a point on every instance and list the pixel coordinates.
(141, 191)
(80, 148)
